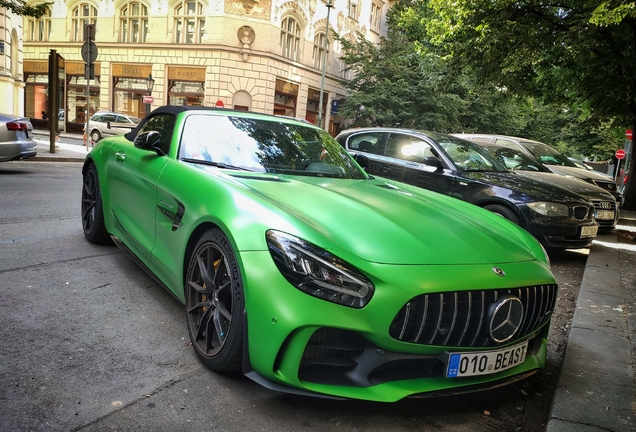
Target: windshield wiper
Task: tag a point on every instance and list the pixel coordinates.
(215, 164)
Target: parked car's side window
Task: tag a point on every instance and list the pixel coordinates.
(164, 124)
(409, 148)
(368, 143)
(123, 119)
(98, 118)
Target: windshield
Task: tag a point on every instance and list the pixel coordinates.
(547, 155)
(264, 145)
(468, 156)
(514, 159)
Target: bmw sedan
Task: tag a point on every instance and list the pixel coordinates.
(551, 159)
(606, 208)
(558, 217)
(310, 276)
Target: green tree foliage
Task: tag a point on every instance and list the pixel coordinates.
(571, 52)
(20, 7)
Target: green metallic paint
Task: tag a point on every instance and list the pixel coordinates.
(405, 240)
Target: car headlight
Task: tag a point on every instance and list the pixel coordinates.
(317, 272)
(550, 209)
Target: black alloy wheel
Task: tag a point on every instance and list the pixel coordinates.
(92, 210)
(215, 303)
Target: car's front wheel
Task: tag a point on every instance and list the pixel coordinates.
(215, 303)
(92, 210)
(96, 136)
(504, 212)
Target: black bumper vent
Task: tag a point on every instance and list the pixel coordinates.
(460, 318)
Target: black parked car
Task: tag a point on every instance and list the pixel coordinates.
(514, 158)
(462, 169)
(552, 160)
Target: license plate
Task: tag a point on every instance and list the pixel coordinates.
(485, 362)
(605, 215)
(589, 231)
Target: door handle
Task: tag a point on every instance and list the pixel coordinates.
(120, 156)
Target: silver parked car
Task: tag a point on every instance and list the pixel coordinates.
(16, 138)
(104, 123)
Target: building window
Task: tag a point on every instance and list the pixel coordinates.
(83, 14)
(376, 10)
(319, 50)
(189, 22)
(290, 38)
(39, 30)
(353, 9)
(134, 23)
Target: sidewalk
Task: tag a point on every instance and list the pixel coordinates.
(596, 390)
(63, 152)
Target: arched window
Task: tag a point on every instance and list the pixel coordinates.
(133, 23)
(39, 29)
(319, 50)
(290, 38)
(84, 13)
(189, 22)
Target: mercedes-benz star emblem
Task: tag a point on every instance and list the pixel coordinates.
(505, 318)
(499, 272)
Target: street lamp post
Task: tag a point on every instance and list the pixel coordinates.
(324, 65)
(150, 83)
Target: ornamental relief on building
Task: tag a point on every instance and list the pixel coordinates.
(294, 6)
(348, 24)
(252, 8)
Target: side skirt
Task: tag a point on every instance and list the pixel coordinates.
(130, 254)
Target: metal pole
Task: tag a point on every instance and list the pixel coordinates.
(324, 64)
(88, 96)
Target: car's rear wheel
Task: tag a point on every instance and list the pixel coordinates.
(96, 136)
(504, 212)
(92, 210)
(215, 303)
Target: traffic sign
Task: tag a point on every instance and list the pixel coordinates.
(147, 99)
(620, 154)
(628, 134)
(89, 52)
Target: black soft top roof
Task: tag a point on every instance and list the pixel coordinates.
(176, 110)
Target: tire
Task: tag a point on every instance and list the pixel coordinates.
(504, 212)
(92, 210)
(95, 135)
(215, 303)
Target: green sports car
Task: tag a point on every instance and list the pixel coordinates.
(309, 275)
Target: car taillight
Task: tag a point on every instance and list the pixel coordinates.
(16, 126)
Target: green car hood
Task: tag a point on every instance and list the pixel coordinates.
(389, 223)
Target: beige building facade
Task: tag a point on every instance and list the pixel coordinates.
(258, 55)
(11, 75)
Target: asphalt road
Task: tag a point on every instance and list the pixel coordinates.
(90, 342)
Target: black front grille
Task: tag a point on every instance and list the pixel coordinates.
(581, 212)
(461, 318)
(605, 206)
(608, 186)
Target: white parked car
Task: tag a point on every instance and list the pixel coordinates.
(104, 123)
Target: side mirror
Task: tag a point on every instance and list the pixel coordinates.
(362, 160)
(108, 126)
(150, 140)
(434, 162)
